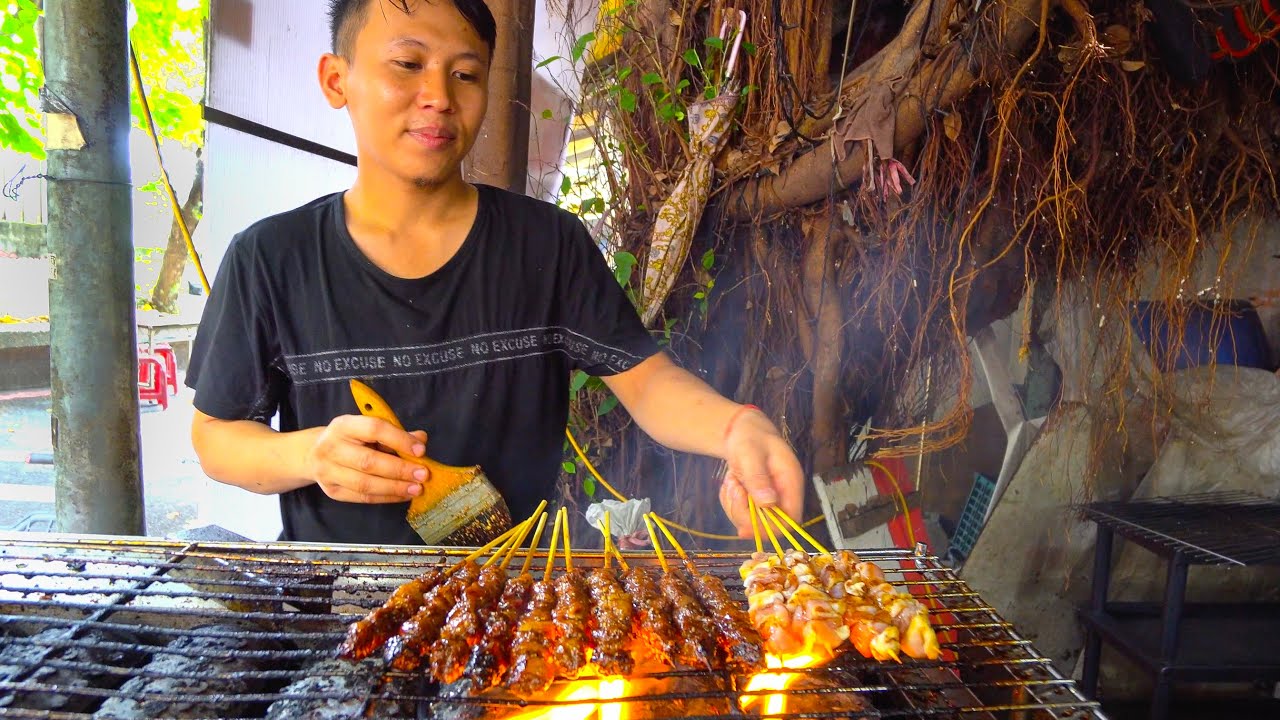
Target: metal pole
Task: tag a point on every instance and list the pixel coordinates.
(92, 335)
(500, 156)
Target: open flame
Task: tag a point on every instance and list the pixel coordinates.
(775, 704)
(582, 701)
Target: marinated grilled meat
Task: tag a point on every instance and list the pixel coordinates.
(610, 623)
(533, 666)
(410, 647)
(652, 616)
(738, 638)
(491, 656)
(572, 608)
(366, 636)
(464, 623)
(697, 646)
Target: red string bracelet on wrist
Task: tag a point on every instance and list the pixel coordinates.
(734, 418)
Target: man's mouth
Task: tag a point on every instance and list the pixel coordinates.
(432, 137)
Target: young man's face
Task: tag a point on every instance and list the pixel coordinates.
(416, 88)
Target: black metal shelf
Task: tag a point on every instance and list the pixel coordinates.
(1244, 634)
(1174, 640)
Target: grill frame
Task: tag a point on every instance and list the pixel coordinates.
(1216, 528)
(160, 589)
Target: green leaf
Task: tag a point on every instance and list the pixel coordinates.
(569, 467)
(578, 380)
(628, 100)
(154, 186)
(708, 259)
(580, 45)
(624, 73)
(565, 185)
(691, 56)
(714, 42)
(609, 404)
(748, 48)
(546, 114)
(651, 78)
(682, 85)
(589, 486)
(547, 62)
(709, 92)
(624, 264)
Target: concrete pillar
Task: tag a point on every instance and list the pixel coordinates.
(98, 478)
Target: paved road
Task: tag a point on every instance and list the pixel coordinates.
(178, 495)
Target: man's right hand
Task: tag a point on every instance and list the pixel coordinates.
(352, 460)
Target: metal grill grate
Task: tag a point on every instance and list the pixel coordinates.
(114, 628)
(1226, 528)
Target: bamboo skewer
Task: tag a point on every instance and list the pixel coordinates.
(568, 554)
(528, 525)
(551, 552)
(533, 545)
(671, 539)
(487, 547)
(769, 531)
(755, 524)
(657, 546)
(795, 544)
(803, 533)
(610, 547)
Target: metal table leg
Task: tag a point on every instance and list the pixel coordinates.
(1175, 590)
(1097, 605)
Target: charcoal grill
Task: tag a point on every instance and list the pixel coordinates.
(105, 627)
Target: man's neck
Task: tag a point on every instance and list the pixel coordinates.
(398, 211)
(407, 230)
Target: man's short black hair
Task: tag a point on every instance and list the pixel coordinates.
(346, 17)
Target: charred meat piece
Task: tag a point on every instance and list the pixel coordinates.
(610, 623)
(366, 636)
(491, 656)
(572, 608)
(738, 637)
(653, 620)
(697, 647)
(464, 623)
(533, 666)
(406, 650)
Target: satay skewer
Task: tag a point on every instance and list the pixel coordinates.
(800, 529)
(533, 667)
(609, 546)
(755, 524)
(491, 656)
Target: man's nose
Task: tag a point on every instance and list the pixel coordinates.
(436, 92)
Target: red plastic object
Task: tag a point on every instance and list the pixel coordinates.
(153, 380)
(165, 351)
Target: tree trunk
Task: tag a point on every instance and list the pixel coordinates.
(939, 82)
(164, 296)
(822, 297)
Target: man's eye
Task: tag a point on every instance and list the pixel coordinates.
(465, 76)
(407, 64)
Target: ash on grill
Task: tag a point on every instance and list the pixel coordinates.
(140, 628)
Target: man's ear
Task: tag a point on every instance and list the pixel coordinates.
(332, 73)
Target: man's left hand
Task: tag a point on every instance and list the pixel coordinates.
(762, 465)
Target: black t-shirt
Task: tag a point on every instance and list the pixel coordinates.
(478, 353)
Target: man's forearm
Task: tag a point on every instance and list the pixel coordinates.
(679, 410)
(251, 455)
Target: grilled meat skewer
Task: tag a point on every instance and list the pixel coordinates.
(610, 623)
(407, 650)
(491, 656)
(652, 615)
(739, 639)
(464, 623)
(570, 614)
(697, 647)
(533, 666)
(366, 636)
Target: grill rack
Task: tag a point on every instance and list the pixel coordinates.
(1214, 528)
(84, 614)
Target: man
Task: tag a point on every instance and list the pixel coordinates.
(467, 307)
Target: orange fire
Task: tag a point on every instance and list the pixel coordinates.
(584, 699)
(775, 704)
